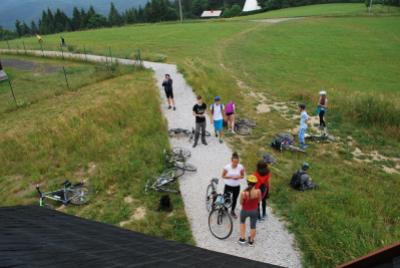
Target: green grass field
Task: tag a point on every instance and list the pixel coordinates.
(106, 132)
(325, 10)
(356, 58)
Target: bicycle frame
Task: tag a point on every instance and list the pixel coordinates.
(58, 195)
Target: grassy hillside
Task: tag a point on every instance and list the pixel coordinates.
(350, 9)
(355, 210)
(108, 133)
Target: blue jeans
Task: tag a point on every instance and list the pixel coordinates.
(302, 133)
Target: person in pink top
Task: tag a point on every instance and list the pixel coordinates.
(249, 200)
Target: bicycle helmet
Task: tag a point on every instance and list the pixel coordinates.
(217, 98)
(252, 179)
(268, 159)
(305, 166)
(322, 93)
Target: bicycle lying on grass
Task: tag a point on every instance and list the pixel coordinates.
(76, 194)
(244, 126)
(285, 141)
(321, 138)
(176, 167)
(219, 220)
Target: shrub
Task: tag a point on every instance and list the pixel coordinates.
(374, 111)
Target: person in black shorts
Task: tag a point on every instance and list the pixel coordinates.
(199, 110)
(167, 84)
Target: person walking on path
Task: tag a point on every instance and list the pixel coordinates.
(249, 199)
(263, 176)
(199, 111)
(304, 119)
(217, 117)
(232, 174)
(167, 84)
(321, 110)
(230, 115)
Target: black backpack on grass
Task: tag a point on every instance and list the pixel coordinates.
(281, 140)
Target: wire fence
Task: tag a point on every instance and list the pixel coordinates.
(22, 84)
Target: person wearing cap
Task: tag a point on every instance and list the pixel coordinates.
(249, 200)
(304, 119)
(263, 176)
(217, 117)
(321, 109)
(301, 180)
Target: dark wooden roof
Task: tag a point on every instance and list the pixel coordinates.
(32, 236)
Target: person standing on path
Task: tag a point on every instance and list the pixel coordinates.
(304, 119)
(167, 84)
(249, 199)
(263, 176)
(230, 115)
(232, 174)
(217, 117)
(321, 110)
(199, 111)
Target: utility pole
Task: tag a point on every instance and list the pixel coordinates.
(180, 10)
(370, 6)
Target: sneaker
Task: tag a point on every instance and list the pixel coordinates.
(204, 142)
(221, 141)
(250, 243)
(242, 241)
(169, 107)
(195, 144)
(174, 108)
(233, 214)
(216, 134)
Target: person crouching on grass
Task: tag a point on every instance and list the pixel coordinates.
(249, 199)
(217, 117)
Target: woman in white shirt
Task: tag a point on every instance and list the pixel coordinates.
(232, 174)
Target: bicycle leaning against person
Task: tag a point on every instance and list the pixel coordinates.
(232, 174)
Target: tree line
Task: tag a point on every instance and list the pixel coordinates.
(154, 11)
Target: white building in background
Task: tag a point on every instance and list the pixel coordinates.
(211, 13)
(251, 5)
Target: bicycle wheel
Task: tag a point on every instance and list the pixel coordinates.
(186, 166)
(220, 223)
(209, 197)
(295, 149)
(242, 129)
(168, 190)
(78, 195)
(172, 173)
(181, 152)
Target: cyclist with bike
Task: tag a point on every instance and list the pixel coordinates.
(249, 199)
(232, 174)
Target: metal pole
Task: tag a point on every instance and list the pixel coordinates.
(66, 80)
(23, 43)
(109, 50)
(180, 10)
(8, 44)
(12, 92)
(84, 51)
(41, 48)
(62, 52)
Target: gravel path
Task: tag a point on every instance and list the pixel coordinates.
(273, 242)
